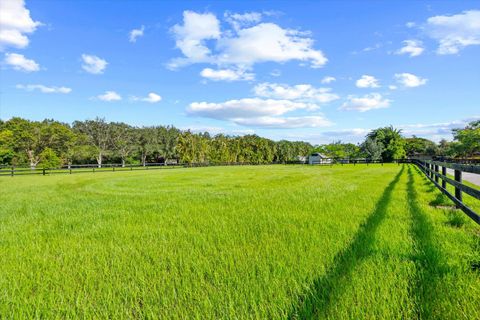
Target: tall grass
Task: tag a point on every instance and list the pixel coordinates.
(235, 242)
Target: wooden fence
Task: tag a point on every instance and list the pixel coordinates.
(437, 170)
(17, 171)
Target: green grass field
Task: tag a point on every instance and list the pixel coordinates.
(263, 242)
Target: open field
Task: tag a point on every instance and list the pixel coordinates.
(237, 242)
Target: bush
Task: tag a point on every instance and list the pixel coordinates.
(49, 159)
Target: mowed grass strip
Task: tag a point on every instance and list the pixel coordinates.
(235, 242)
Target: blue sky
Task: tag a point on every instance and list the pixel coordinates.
(303, 70)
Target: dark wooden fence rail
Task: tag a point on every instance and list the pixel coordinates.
(77, 168)
(432, 171)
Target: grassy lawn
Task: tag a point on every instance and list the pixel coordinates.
(236, 242)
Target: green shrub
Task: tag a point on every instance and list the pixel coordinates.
(49, 159)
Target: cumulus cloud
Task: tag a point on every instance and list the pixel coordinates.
(20, 63)
(226, 74)
(301, 92)
(455, 32)
(15, 24)
(152, 97)
(93, 64)
(410, 80)
(248, 43)
(269, 42)
(246, 108)
(109, 96)
(238, 20)
(355, 132)
(191, 37)
(367, 81)
(136, 33)
(327, 80)
(44, 89)
(435, 131)
(285, 122)
(367, 102)
(257, 112)
(411, 47)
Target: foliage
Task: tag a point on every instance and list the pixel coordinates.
(469, 139)
(22, 141)
(339, 150)
(372, 148)
(392, 142)
(49, 159)
(420, 146)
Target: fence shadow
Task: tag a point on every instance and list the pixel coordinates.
(319, 298)
(428, 259)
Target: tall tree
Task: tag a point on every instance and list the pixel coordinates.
(372, 148)
(392, 141)
(123, 140)
(99, 135)
(469, 138)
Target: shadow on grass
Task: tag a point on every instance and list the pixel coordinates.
(320, 297)
(442, 201)
(427, 258)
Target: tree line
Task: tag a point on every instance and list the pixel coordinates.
(51, 143)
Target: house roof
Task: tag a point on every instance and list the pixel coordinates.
(318, 155)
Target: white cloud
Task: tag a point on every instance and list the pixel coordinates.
(435, 131)
(136, 33)
(276, 73)
(256, 112)
(410, 24)
(20, 63)
(355, 132)
(268, 42)
(246, 108)
(367, 102)
(190, 37)
(109, 96)
(198, 128)
(367, 81)
(244, 46)
(412, 47)
(285, 122)
(238, 20)
(152, 97)
(455, 32)
(301, 92)
(410, 80)
(43, 89)
(392, 87)
(15, 23)
(328, 79)
(226, 74)
(93, 64)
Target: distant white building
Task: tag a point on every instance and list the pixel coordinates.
(318, 158)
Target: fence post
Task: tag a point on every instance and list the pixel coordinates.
(436, 171)
(12, 171)
(113, 167)
(43, 171)
(458, 178)
(444, 172)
